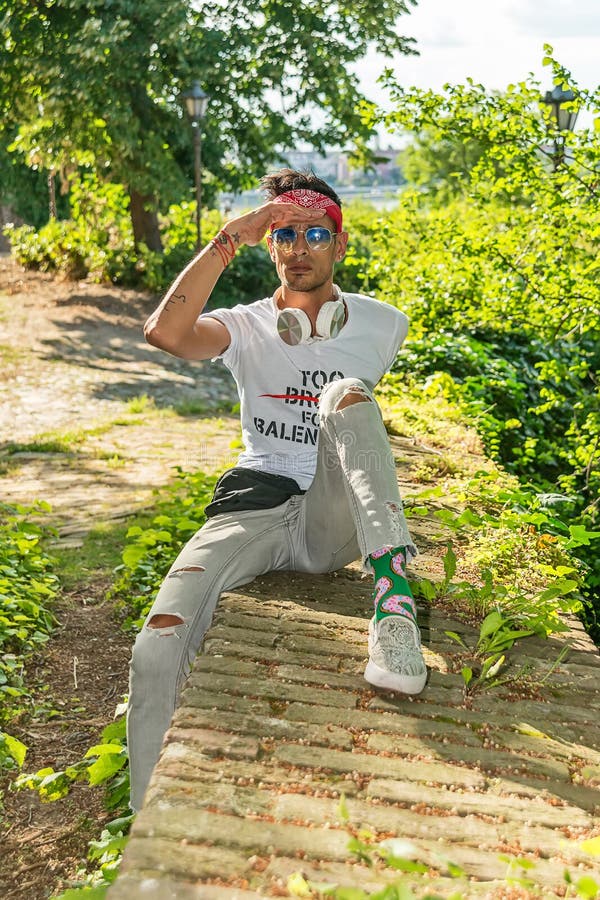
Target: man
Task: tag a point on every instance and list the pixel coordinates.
(315, 486)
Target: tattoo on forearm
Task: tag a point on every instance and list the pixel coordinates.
(176, 297)
(236, 237)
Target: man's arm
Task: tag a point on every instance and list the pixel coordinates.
(175, 325)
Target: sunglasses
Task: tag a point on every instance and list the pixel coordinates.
(316, 237)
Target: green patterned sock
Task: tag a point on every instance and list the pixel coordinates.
(392, 595)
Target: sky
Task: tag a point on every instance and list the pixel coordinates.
(495, 42)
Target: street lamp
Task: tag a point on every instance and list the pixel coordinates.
(195, 103)
(564, 119)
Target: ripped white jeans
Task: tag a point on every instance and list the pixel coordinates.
(352, 508)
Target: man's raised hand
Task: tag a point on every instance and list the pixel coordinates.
(252, 226)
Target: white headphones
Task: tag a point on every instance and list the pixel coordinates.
(294, 326)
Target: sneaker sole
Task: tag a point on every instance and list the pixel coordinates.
(393, 681)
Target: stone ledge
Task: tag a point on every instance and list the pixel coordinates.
(266, 741)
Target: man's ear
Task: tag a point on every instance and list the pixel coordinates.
(271, 247)
(341, 245)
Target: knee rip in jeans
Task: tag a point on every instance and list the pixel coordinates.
(353, 395)
(177, 572)
(166, 625)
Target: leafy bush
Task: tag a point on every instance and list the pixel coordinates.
(100, 765)
(521, 389)
(97, 243)
(28, 586)
(150, 551)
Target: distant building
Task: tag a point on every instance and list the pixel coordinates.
(326, 166)
(335, 168)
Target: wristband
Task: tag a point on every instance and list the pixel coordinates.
(224, 246)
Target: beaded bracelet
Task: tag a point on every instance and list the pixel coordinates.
(223, 244)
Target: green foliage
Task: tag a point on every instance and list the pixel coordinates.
(149, 552)
(501, 287)
(12, 752)
(28, 586)
(105, 854)
(508, 614)
(97, 243)
(104, 763)
(101, 85)
(23, 190)
(89, 892)
(147, 556)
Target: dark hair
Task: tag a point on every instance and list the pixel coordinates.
(290, 180)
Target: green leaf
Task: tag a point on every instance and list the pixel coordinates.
(105, 767)
(449, 563)
(468, 517)
(580, 536)
(15, 748)
(587, 887)
(350, 893)
(297, 886)
(591, 846)
(456, 637)
(132, 554)
(103, 750)
(115, 731)
(108, 845)
(467, 675)
(492, 622)
(491, 667)
(405, 865)
(85, 893)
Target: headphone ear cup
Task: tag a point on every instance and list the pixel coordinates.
(330, 320)
(293, 326)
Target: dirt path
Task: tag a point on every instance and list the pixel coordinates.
(92, 420)
(74, 353)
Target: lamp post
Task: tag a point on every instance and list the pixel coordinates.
(564, 119)
(195, 102)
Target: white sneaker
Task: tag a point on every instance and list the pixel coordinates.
(395, 659)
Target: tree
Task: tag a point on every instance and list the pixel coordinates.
(99, 85)
(439, 165)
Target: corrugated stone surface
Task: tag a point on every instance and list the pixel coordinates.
(276, 723)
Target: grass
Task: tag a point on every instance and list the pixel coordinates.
(50, 442)
(99, 555)
(69, 442)
(10, 355)
(140, 404)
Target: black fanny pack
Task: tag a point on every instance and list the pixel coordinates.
(242, 489)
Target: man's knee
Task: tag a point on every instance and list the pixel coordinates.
(353, 396)
(344, 392)
(157, 649)
(163, 621)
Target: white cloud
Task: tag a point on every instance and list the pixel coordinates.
(558, 18)
(495, 43)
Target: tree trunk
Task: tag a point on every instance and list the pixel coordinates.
(144, 219)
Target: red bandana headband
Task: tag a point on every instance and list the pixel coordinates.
(313, 200)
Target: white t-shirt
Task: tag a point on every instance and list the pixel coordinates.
(279, 385)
